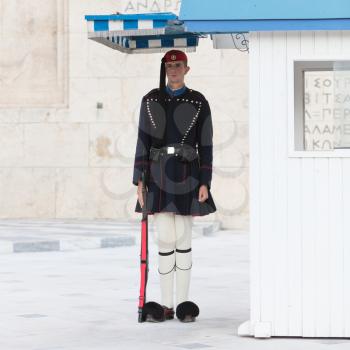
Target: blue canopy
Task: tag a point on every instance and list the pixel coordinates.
(139, 33)
(226, 21)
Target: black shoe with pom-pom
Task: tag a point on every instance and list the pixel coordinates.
(187, 311)
(154, 312)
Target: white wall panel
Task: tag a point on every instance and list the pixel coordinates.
(299, 222)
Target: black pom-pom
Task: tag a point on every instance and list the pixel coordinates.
(187, 309)
(154, 309)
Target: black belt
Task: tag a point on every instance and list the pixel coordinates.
(185, 153)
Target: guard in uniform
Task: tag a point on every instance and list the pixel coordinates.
(175, 150)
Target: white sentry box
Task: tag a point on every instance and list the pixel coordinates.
(300, 225)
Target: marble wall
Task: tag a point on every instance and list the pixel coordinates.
(33, 59)
(62, 155)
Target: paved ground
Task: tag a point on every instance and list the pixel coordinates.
(87, 299)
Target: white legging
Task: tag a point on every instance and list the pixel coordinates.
(174, 236)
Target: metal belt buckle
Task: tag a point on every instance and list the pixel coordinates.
(171, 150)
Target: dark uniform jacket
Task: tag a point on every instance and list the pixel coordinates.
(173, 184)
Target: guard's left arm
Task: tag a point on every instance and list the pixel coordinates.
(205, 144)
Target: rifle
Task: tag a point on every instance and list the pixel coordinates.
(144, 251)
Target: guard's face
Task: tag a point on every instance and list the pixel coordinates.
(176, 71)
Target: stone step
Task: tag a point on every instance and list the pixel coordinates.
(19, 236)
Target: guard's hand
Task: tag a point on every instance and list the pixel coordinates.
(139, 193)
(203, 193)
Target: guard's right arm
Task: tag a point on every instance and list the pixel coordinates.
(143, 145)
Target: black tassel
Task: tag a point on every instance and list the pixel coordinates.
(162, 74)
(162, 94)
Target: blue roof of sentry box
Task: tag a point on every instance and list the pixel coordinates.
(263, 9)
(209, 16)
